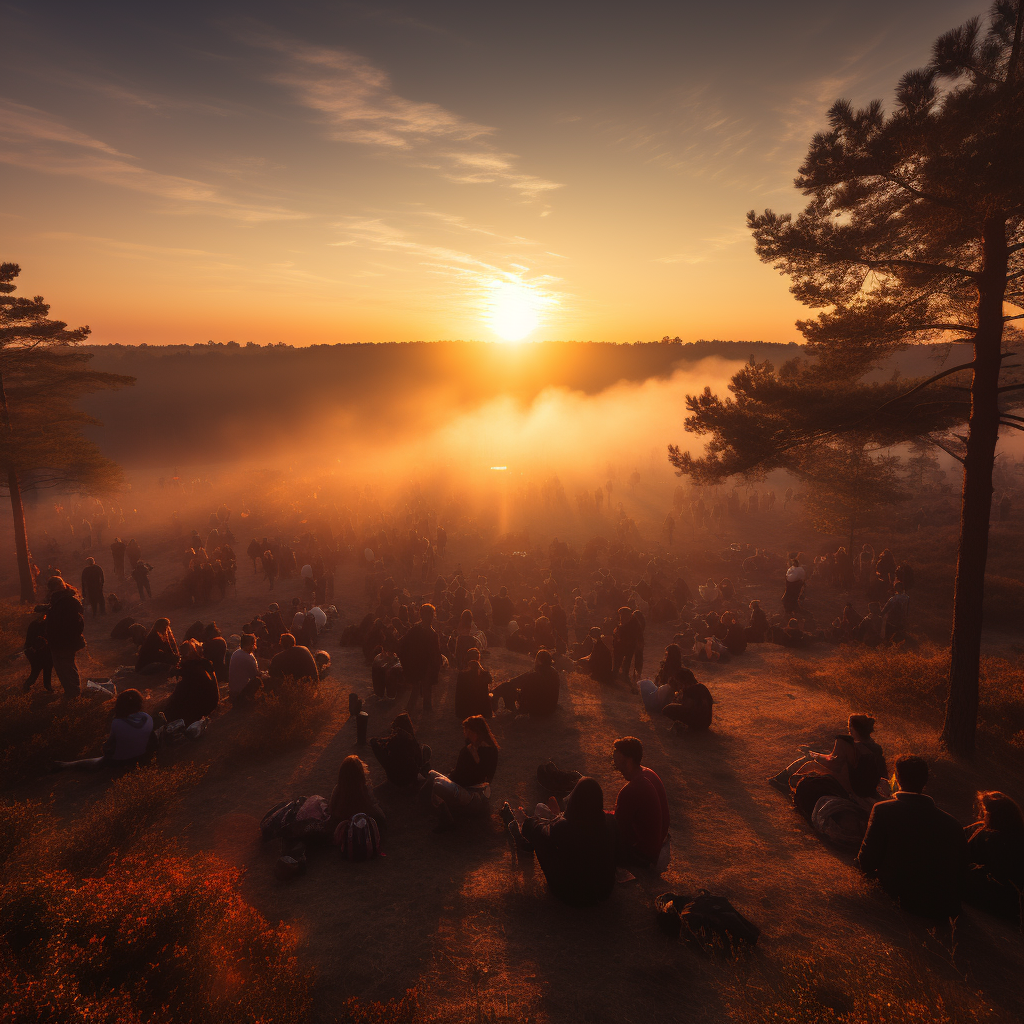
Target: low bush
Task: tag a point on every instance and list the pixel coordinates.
(281, 719)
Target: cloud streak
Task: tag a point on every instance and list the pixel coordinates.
(356, 102)
(37, 141)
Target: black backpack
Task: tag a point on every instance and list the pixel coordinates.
(706, 918)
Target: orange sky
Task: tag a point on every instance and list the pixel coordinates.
(323, 172)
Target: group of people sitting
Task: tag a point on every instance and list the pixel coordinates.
(921, 855)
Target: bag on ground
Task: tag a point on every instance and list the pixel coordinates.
(707, 919)
(359, 838)
(275, 820)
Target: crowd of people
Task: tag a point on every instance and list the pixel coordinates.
(564, 619)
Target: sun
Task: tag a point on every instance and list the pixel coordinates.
(514, 309)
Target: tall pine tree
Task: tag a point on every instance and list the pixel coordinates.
(42, 374)
(914, 231)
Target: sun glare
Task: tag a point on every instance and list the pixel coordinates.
(514, 310)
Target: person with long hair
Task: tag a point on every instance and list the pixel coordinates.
(661, 690)
(467, 793)
(353, 793)
(197, 693)
(575, 848)
(131, 738)
(159, 651)
(472, 688)
(995, 854)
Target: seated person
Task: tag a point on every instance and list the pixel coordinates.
(293, 662)
(757, 629)
(575, 849)
(709, 593)
(533, 693)
(159, 651)
(472, 688)
(502, 609)
(692, 705)
(641, 808)
(400, 754)
(995, 855)
(916, 851)
(515, 641)
(709, 649)
(856, 761)
(131, 738)
(465, 639)
(598, 663)
(468, 792)
(353, 794)
(735, 638)
(656, 693)
(274, 624)
(243, 671)
(197, 693)
(726, 589)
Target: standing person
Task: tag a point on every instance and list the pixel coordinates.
(916, 851)
(134, 552)
(269, 563)
(64, 626)
(38, 653)
(641, 808)
(468, 791)
(117, 550)
(92, 586)
(895, 615)
(625, 641)
(140, 573)
(420, 653)
(796, 576)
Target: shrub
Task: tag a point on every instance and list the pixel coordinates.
(282, 719)
(14, 620)
(161, 938)
(395, 1011)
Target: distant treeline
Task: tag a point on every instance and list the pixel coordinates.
(223, 400)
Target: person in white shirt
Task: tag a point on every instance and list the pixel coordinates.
(243, 670)
(320, 615)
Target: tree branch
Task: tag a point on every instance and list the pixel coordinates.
(1011, 387)
(939, 268)
(930, 380)
(939, 444)
(1016, 426)
(917, 192)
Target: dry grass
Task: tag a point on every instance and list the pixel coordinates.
(282, 719)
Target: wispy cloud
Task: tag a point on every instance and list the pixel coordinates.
(357, 103)
(37, 141)
(707, 250)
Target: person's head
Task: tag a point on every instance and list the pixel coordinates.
(503, 592)
(90, 561)
(627, 754)
(625, 612)
(287, 640)
(544, 659)
(55, 584)
(403, 723)
(478, 732)
(161, 626)
(427, 614)
(248, 641)
(466, 619)
(352, 776)
(912, 773)
(473, 659)
(128, 702)
(687, 678)
(274, 607)
(673, 659)
(755, 604)
(860, 726)
(585, 806)
(793, 624)
(513, 627)
(190, 650)
(1000, 812)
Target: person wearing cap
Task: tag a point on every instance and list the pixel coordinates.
(64, 626)
(92, 587)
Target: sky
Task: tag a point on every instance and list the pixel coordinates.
(322, 172)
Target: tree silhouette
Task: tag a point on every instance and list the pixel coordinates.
(914, 232)
(41, 441)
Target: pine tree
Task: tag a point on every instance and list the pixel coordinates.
(914, 231)
(42, 374)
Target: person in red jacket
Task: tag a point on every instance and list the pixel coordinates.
(641, 808)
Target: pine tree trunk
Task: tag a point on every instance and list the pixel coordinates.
(960, 727)
(28, 590)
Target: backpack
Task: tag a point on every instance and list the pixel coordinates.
(359, 838)
(809, 789)
(706, 918)
(840, 821)
(277, 818)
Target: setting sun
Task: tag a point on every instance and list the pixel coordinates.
(514, 310)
